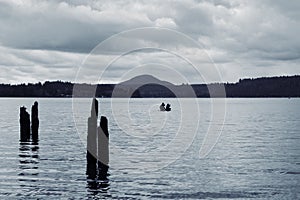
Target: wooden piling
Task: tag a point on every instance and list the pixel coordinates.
(97, 145)
(103, 148)
(94, 109)
(91, 168)
(24, 125)
(34, 122)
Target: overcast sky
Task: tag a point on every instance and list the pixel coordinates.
(51, 40)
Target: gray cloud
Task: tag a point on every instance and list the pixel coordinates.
(244, 38)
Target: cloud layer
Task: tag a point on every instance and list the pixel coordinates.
(48, 40)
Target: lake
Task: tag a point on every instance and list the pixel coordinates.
(156, 154)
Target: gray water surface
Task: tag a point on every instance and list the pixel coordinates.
(256, 157)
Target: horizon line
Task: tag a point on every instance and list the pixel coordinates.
(62, 81)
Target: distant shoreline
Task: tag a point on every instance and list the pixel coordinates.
(139, 87)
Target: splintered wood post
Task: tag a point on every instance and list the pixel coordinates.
(35, 122)
(103, 148)
(94, 110)
(24, 125)
(91, 155)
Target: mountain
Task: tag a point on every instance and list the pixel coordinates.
(143, 86)
(145, 79)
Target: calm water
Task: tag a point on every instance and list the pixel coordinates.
(257, 154)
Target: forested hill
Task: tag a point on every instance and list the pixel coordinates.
(285, 86)
(265, 87)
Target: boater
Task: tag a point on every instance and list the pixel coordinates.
(162, 107)
(168, 108)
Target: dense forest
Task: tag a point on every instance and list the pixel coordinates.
(285, 86)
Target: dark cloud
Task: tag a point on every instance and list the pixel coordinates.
(60, 26)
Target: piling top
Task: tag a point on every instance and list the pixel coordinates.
(104, 125)
(94, 109)
(23, 109)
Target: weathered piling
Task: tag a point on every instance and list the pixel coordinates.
(24, 125)
(91, 168)
(97, 145)
(34, 122)
(103, 148)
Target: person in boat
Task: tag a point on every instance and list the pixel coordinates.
(168, 108)
(162, 107)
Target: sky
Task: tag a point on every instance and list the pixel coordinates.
(188, 41)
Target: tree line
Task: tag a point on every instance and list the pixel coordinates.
(284, 86)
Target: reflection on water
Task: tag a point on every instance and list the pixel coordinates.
(97, 186)
(28, 162)
(101, 183)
